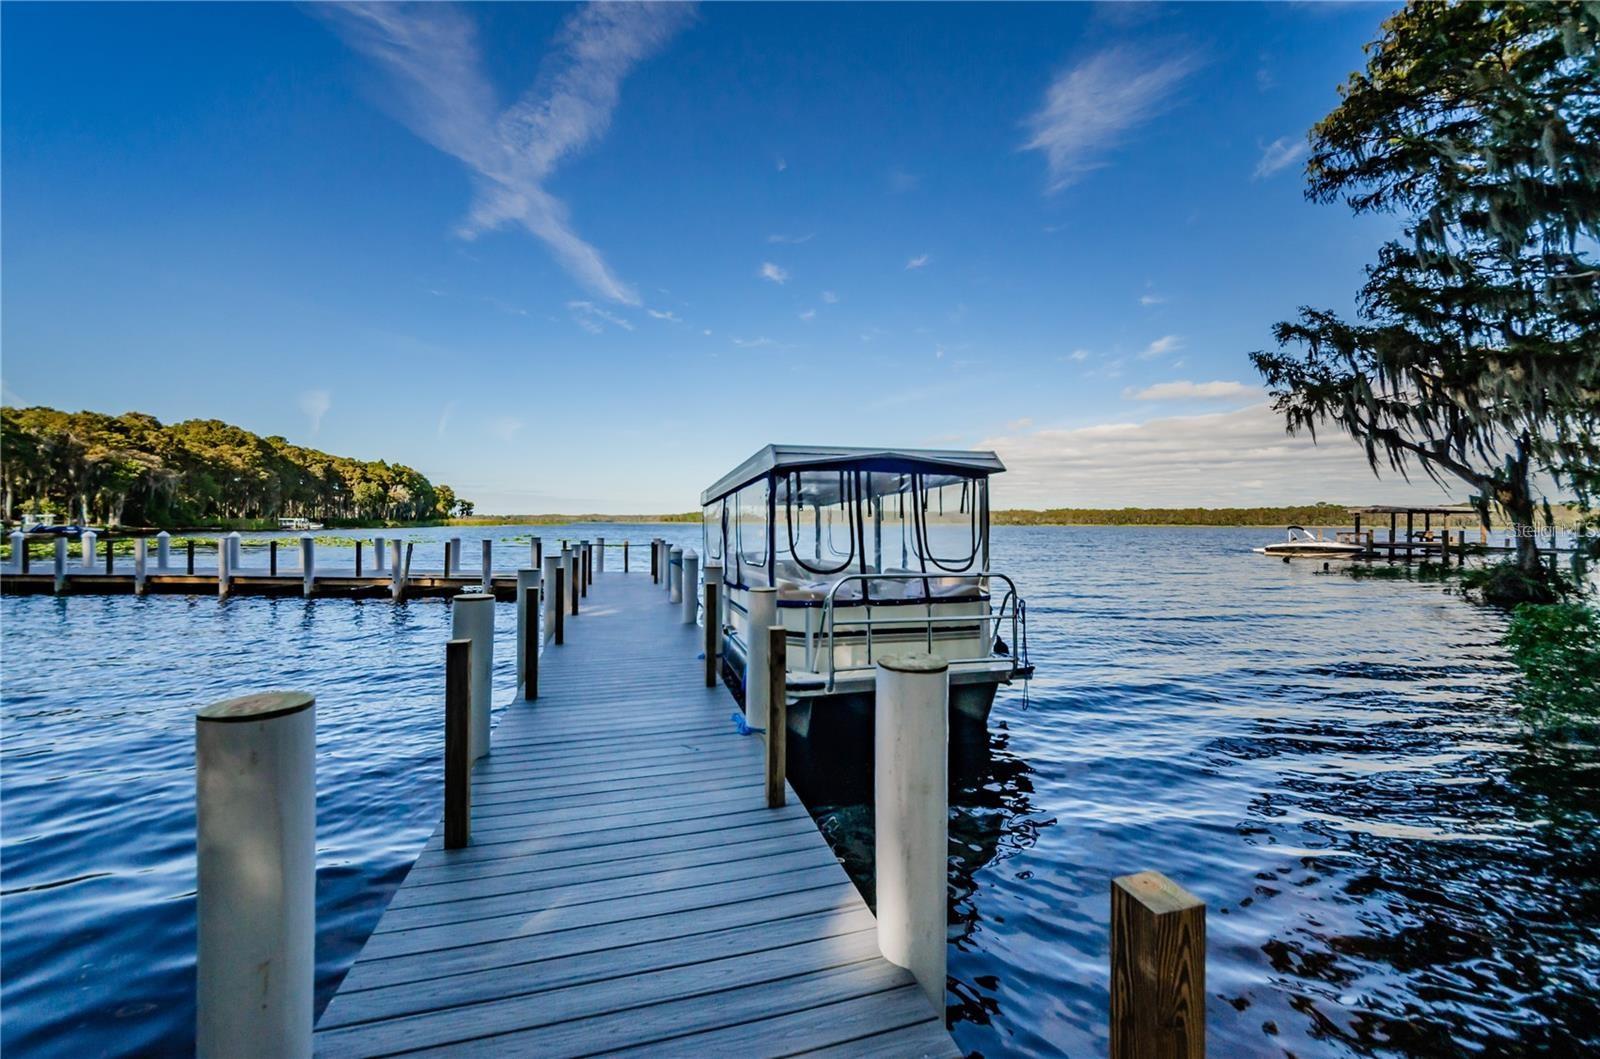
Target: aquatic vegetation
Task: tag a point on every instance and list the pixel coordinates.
(1556, 646)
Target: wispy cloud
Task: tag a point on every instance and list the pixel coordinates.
(1151, 299)
(1279, 155)
(1079, 355)
(901, 181)
(315, 404)
(442, 93)
(667, 315)
(830, 297)
(808, 315)
(591, 317)
(1089, 107)
(792, 240)
(1161, 347)
(445, 413)
(753, 343)
(781, 163)
(505, 427)
(1184, 390)
(774, 273)
(919, 261)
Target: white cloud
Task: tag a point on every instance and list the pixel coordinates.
(668, 315)
(830, 297)
(445, 97)
(792, 240)
(1151, 299)
(918, 261)
(1161, 346)
(590, 316)
(1079, 355)
(315, 404)
(1278, 155)
(1241, 457)
(445, 413)
(781, 163)
(505, 427)
(901, 181)
(1184, 390)
(753, 343)
(1089, 107)
(808, 315)
(774, 273)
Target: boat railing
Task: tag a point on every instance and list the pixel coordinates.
(1010, 607)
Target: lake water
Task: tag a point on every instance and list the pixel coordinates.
(1391, 864)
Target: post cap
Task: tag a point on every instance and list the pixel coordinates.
(471, 597)
(262, 706)
(913, 662)
(164, 533)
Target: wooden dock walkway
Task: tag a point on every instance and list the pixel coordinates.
(626, 890)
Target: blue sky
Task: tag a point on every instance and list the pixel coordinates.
(586, 259)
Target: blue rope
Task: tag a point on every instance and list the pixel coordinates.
(741, 727)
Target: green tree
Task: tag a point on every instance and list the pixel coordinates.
(1477, 349)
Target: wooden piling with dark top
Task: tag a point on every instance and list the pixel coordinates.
(1158, 969)
(713, 633)
(457, 744)
(561, 611)
(624, 555)
(108, 542)
(655, 563)
(358, 558)
(777, 715)
(530, 644)
(190, 557)
(272, 558)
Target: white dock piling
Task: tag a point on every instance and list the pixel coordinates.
(472, 618)
(224, 566)
(552, 563)
(526, 578)
(308, 563)
(377, 555)
(163, 551)
(397, 573)
(675, 576)
(488, 566)
(452, 556)
(536, 550)
(235, 551)
(690, 590)
(256, 827)
(141, 551)
(19, 544)
(599, 555)
(911, 797)
(61, 565)
(88, 540)
(714, 577)
(763, 615)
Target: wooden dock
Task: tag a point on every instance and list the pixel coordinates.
(626, 890)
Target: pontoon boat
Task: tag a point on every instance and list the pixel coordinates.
(871, 551)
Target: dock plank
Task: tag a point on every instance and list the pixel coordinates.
(626, 889)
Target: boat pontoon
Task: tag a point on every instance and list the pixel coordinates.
(872, 551)
(1303, 544)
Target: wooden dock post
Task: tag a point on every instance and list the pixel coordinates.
(530, 641)
(377, 555)
(224, 567)
(488, 566)
(19, 551)
(574, 579)
(163, 551)
(599, 555)
(910, 787)
(777, 721)
(691, 586)
(452, 556)
(235, 551)
(189, 557)
(358, 558)
(528, 631)
(655, 561)
(141, 552)
(624, 555)
(61, 565)
(86, 545)
(308, 564)
(713, 628)
(762, 615)
(536, 545)
(472, 618)
(1158, 969)
(561, 611)
(584, 572)
(110, 551)
(272, 558)
(256, 861)
(675, 575)
(457, 743)
(551, 591)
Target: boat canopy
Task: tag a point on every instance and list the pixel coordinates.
(785, 458)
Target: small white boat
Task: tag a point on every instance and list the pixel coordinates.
(1303, 544)
(299, 525)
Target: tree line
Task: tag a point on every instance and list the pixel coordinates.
(132, 469)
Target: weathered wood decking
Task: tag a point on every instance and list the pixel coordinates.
(626, 889)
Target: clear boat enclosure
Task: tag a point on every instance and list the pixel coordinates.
(871, 551)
